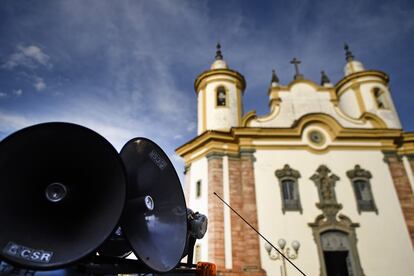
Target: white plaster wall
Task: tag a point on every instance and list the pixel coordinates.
(228, 257)
(390, 115)
(384, 245)
(301, 100)
(200, 112)
(221, 118)
(349, 104)
(199, 171)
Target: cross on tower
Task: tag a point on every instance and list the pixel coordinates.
(298, 75)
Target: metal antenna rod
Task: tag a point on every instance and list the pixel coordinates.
(286, 258)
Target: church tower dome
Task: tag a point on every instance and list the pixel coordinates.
(219, 96)
(365, 94)
(219, 62)
(352, 65)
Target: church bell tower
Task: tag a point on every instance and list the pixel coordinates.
(219, 96)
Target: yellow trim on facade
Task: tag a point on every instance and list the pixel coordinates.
(357, 90)
(375, 120)
(366, 73)
(243, 137)
(204, 104)
(247, 117)
(360, 82)
(235, 150)
(351, 64)
(275, 110)
(239, 106)
(407, 143)
(217, 72)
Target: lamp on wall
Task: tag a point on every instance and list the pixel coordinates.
(274, 255)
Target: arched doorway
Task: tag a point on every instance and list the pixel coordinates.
(337, 254)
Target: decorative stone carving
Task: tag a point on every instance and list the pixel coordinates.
(287, 171)
(357, 172)
(326, 190)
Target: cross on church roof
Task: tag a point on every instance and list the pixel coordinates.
(298, 75)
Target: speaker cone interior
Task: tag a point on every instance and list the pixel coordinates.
(154, 219)
(62, 192)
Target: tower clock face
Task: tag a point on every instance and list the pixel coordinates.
(316, 137)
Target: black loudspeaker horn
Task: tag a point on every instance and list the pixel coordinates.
(115, 246)
(62, 192)
(155, 215)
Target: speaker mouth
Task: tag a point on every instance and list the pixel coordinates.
(56, 192)
(62, 192)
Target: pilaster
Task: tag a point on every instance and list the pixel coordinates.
(403, 188)
(215, 210)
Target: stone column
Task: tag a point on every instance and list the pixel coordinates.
(215, 210)
(403, 188)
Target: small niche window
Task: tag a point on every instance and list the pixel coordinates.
(288, 181)
(198, 189)
(362, 188)
(380, 99)
(221, 96)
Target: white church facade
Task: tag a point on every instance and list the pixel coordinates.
(329, 170)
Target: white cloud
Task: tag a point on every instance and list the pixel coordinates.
(18, 92)
(12, 122)
(39, 84)
(3, 95)
(30, 57)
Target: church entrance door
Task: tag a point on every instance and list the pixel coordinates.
(337, 254)
(336, 263)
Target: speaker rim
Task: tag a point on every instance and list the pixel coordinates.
(181, 193)
(92, 250)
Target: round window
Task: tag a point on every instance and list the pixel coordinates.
(316, 137)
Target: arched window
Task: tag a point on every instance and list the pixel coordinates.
(288, 181)
(362, 189)
(380, 99)
(221, 96)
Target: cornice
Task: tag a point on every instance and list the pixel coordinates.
(216, 72)
(407, 144)
(239, 138)
(355, 76)
(299, 81)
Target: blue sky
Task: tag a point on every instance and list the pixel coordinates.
(126, 68)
